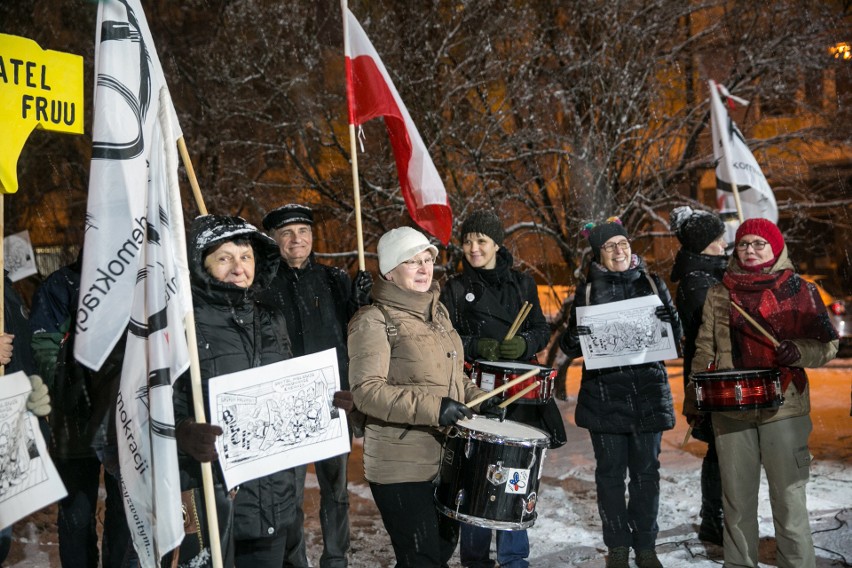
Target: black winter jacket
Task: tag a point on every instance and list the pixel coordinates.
(484, 303)
(317, 304)
(16, 322)
(696, 273)
(235, 331)
(632, 398)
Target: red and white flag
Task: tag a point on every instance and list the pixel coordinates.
(135, 275)
(735, 164)
(371, 94)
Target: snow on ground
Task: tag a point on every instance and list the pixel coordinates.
(567, 532)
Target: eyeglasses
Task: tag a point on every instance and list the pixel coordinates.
(610, 247)
(756, 245)
(418, 262)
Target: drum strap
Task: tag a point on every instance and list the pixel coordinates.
(648, 276)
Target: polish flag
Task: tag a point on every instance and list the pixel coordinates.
(371, 93)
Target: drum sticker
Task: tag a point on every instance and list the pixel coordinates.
(486, 381)
(518, 481)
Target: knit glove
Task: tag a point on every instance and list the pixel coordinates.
(452, 411)
(491, 407)
(513, 348)
(787, 353)
(488, 348)
(198, 440)
(39, 400)
(665, 314)
(361, 288)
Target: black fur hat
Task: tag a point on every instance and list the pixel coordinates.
(695, 229)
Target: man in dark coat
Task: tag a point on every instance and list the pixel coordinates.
(699, 264)
(317, 301)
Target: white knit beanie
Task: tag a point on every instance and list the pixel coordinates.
(400, 244)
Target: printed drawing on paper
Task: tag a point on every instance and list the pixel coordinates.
(28, 478)
(625, 333)
(278, 416)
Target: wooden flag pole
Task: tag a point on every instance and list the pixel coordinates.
(189, 326)
(190, 173)
(353, 150)
(3, 280)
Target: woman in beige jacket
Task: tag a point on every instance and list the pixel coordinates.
(406, 375)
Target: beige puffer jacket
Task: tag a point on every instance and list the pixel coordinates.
(398, 382)
(713, 344)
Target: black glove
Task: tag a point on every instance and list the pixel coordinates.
(787, 353)
(584, 330)
(665, 314)
(361, 288)
(452, 411)
(488, 348)
(198, 440)
(513, 348)
(343, 401)
(491, 408)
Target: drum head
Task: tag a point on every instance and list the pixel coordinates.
(482, 428)
(508, 366)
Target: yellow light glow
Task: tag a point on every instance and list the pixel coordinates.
(841, 51)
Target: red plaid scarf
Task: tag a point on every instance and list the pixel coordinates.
(785, 306)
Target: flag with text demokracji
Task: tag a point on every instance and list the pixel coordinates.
(735, 163)
(371, 93)
(134, 275)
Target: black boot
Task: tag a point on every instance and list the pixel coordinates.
(711, 499)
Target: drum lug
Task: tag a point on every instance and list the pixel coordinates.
(532, 460)
(496, 474)
(699, 393)
(468, 448)
(738, 393)
(459, 498)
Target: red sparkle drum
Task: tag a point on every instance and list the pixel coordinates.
(738, 389)
(488, 375)
(490, 472)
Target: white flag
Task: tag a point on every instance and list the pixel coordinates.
(128, 77)
(736, 164)
(135, 271)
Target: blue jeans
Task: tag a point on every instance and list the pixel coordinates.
(513, 548)
(631, 522)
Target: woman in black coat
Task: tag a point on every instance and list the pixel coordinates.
(627, 408)
(483, 301)
(230, 262)
(699, 264)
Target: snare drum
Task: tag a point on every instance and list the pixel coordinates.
(489, 375)
(738, 389)
(490, 471)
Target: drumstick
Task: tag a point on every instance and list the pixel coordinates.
(522, 315)
(514, 327)
(516, 396)
(500, 389)
(756, 325)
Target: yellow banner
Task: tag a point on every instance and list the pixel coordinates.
(39, 88)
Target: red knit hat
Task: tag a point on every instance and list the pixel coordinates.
(763, 228)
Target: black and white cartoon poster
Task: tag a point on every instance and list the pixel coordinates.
(625, 333)
(278, 416)
(28, 479)
(18, 256)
